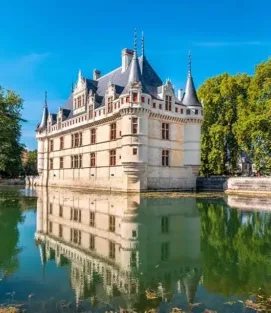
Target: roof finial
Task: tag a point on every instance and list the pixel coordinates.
(135, 39)
(142, 44)
(189, 63)
(45, 99)
(72, 86)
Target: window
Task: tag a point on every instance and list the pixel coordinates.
(148, 101)
(113, 131)
(76, 161)
(168, 103)
(79, 102)
(201, 112)
(154, 105)
(51, 145)
(142, 99)
(93, 136)
(133, 259)
(108, 278)
(134, 151)
(135, 125)
(165, 131)
(112, 223)
(60, 231)
(91, 242)
(50, 227)
(92, 219)
(135, 97)
(196, 112)
(60, 210)
(76, 215)
(181, 111)
(72, 162)
(176, 110)
(80, 139)
(112, 250)
(80, 160)
(51, 208)
(134, 233)
(112, 157)
(61, 162)
(122, 100)
(76, 140)
(72, 140)
(110, 104)
(127, 99)
(61, 143)
(164, 251)
(51, 164)
(188, 111)
(165, 154)
(75, 236)
(92, 159)
(160, 106)
(164, 224)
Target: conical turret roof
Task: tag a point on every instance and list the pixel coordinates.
(190, 97)
(45, 114)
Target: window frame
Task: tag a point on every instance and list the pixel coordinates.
(165, 157)
(112, 157)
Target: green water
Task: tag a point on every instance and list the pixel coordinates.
(69, 251)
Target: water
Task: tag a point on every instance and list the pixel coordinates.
(68, 251)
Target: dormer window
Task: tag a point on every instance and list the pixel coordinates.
(110, 104)
(168, 103)
(135, 97)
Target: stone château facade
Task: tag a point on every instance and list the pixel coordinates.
(123, 131)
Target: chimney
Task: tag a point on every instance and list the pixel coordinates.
(127, 56)
(180, 94)
(96, 74)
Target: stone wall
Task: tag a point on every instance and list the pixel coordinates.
(212, 183)
(257, 185)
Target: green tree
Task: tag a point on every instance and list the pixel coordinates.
(221, 96)
(10, 133)
(253, 130)
(30, 165)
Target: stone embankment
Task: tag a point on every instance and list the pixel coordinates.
(249, 185)
(12, 182)
(236, 185)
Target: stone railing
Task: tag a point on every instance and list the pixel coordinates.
(218, 183)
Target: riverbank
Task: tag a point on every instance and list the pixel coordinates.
(12, 182)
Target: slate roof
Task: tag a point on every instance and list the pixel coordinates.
(139, 69)
(45, 114)
(190, 97)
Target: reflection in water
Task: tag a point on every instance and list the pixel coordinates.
(120, 245)
(181, 251)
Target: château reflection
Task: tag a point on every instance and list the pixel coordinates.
(120, 245)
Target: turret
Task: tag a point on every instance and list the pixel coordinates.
(192, 128)
(45, 114)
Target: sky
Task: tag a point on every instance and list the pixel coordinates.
(43, 44)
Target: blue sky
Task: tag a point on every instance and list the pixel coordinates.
(44, 43)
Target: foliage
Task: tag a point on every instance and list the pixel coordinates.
(10, 133)
(30, 165)
(221, 95)
(254, 127)
(10, 216)
(235, 249)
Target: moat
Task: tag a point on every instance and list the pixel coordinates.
(71, 251)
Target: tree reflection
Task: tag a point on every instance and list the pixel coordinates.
(236, 248)
(10, 216)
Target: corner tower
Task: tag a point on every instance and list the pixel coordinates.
(192, 127)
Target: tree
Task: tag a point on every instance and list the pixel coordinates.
(10, 133)
(221, 96)
(30, 163)
(253, 130)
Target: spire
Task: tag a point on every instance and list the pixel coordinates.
(142, 43)
(72, 86)
(189, 64)
(190, 97)
(135, 41)
(43, 123)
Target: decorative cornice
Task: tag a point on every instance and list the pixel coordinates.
(133, 110)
